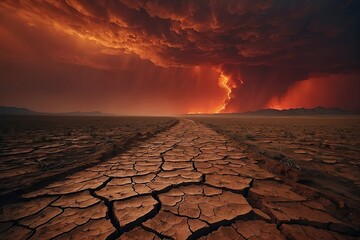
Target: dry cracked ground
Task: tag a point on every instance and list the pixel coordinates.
(188, 182)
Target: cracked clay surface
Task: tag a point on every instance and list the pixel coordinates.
(188, 182)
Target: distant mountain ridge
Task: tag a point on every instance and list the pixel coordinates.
(4, 110)
(15, 111)
(301, 112)
(287, 112)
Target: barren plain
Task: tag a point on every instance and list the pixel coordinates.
(203, 178)
(37, 149)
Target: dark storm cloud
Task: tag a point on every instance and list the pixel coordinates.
(269, 45)
(316, 35)
(47, 70)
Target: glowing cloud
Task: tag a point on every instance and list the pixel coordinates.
(163, 45)
(327, 91)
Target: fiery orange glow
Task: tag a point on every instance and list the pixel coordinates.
(171, 57)
(224, 82)
(325, 91)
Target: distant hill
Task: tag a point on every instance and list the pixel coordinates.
(16, 111)
(24, 111)
(301, 112)
(286, 112)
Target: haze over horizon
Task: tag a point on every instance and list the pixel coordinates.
(173, 57)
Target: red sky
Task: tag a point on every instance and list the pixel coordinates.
(171, 57)
(328, 91)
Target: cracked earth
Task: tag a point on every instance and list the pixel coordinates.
(188, 182)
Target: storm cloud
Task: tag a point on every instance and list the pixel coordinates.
(264, 47)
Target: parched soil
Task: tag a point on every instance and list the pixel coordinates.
(188, 182)
(35, 150)
(320, 152)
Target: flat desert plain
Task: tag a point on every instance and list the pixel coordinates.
(213, 177)
(37, 149)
